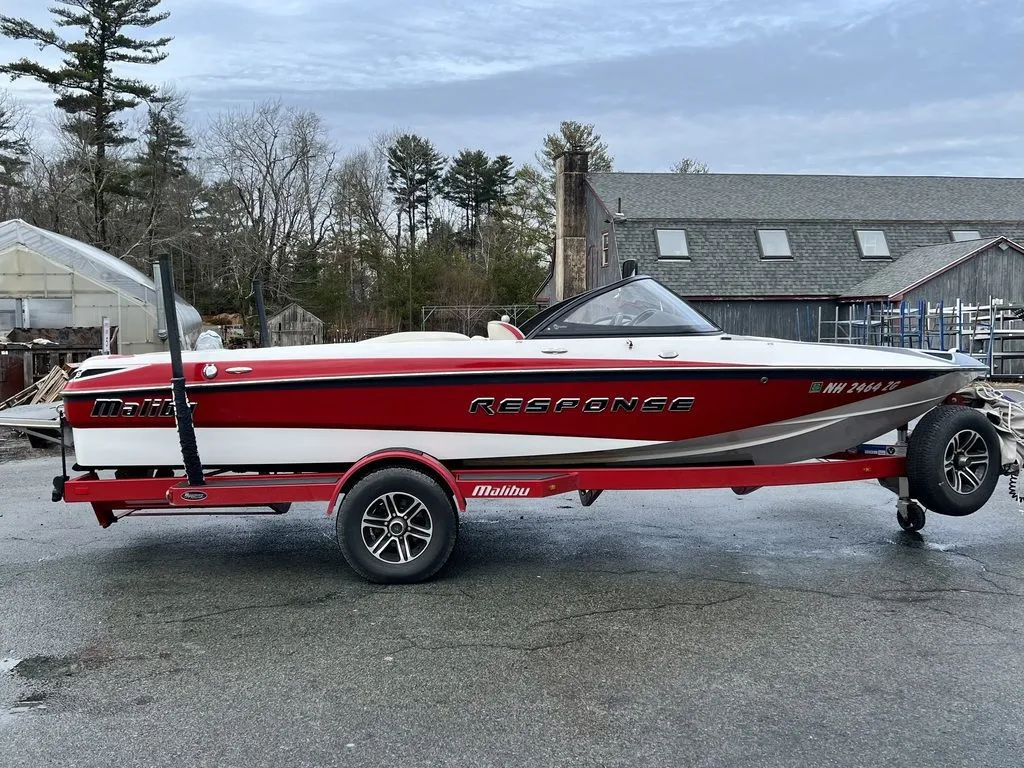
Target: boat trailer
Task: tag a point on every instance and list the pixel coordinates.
(397, 510)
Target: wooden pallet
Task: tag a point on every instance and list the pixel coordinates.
(46, 390)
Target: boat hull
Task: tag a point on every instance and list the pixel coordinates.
(513, 405)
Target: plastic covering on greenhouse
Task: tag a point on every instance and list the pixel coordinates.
(96, 266)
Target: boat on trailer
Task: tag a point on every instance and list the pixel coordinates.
(624, 387)
(628, 374)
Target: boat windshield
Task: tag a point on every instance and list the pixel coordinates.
(638, 307)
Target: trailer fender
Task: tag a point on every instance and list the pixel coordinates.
(401, 457)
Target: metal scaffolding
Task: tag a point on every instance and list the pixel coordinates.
(992, 332)
(472, 319)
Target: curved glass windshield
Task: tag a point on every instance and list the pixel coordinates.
(638, 307)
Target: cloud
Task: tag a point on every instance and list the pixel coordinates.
(846, 85)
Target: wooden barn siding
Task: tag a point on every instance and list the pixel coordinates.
(777, 319)
(596, 225)
(991, 274)
(295, 325)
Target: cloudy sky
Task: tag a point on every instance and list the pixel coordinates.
(835, 86)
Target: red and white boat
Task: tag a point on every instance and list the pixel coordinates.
(624, 375)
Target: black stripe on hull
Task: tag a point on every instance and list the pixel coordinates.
(544, 376)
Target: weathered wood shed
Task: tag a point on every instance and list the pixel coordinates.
(295, 325)
(972, 271)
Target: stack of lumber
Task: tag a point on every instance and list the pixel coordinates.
(46, 390)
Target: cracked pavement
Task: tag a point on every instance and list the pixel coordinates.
(792, 627)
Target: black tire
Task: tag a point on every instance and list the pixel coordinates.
(386, 500)
(913, 520)
(946, 438)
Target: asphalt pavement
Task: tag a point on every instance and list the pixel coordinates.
(790, 627)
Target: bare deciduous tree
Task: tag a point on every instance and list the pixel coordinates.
(278, 165)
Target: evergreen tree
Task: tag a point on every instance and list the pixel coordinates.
(476, 185)
(500, 178)
(414, 173)
(466, 185)
(571, 136)
(433, 171)
(161, 163)
(87, 88)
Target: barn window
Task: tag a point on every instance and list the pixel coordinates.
(672, 244)
(604, 249)
(774, 244)
(872, 244)
(960, 235)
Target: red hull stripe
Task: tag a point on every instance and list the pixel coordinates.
(664, 408)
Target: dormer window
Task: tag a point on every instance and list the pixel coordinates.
(872, 244)
(774, 244)
(672, 244)
(961, 235)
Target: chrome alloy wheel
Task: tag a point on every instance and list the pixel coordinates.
(966, 461)
(396, 527)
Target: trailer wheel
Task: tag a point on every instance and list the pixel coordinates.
(953, 460)
(397, 526)
(913, 519)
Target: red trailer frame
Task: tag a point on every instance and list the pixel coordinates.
(231, 493)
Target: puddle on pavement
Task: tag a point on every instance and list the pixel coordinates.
(8, 665)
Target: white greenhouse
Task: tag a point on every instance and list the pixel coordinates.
(52, 281)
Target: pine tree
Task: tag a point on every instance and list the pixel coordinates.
(414, 173)
(571, 136)
(466, 186)
(87, 88)
(162, 162)
(500, 178)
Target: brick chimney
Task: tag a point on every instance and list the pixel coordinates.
(570, 273)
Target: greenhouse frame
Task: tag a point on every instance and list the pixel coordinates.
(53, 281)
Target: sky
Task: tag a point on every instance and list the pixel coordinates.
(932, 87)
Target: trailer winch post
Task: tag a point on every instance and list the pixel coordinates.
(261, 313)
(182, 411)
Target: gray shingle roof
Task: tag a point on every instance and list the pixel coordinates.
(918, 264)
(802, 197)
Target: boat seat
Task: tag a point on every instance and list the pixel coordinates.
(407, 336)
(499, 330)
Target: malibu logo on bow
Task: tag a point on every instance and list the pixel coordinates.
(492, 406)
(115, 407)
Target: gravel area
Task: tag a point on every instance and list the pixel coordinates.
(14, 447)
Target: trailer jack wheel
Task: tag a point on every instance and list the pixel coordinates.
(911, 517)
(397, 526)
